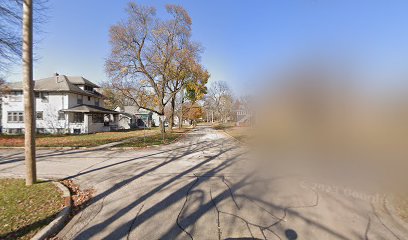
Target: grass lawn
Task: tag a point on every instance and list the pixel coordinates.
(155, 139)
(25, 210)
(240, 133)
(84, 140)
(401, 205)
(222, 126)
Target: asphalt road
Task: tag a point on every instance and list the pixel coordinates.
(202, 187)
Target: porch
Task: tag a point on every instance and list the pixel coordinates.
(90, 119)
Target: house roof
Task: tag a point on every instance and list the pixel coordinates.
(135, 110)
(89, 109)
(60, 83)
(130, 109)
(82, 81)
(128, 115)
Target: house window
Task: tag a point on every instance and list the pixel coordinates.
(88, 88)
(78, 117)
(97, 118)
(16, 96)
(89, 98)
(39, 116)
(44, 97)
(80, 99)
(96, 102)
(61, 116)
(15, 117)
(14, 131)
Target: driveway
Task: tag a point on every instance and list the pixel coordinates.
(202, 187)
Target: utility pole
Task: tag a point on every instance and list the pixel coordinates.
(29, 120)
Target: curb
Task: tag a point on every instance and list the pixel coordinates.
(59, 222)
(227, 134)
(48, 148)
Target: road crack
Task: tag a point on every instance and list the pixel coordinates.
(218, 216)
(133, 222)
(184, 204)
(224, 180)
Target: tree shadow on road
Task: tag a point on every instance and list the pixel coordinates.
(178, 190)
(193, 178)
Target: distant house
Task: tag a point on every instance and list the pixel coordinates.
(133, 117)
(244, 117)
(64, 104)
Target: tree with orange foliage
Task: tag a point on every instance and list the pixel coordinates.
(193, 112)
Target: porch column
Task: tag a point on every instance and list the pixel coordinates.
(87, 118)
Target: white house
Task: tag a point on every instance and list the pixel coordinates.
(131, 117)
(63, 104)
(244, 115)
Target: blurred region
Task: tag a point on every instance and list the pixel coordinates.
(318, 120)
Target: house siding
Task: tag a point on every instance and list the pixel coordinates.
(50, 109)
(53, 95)
(127, 122)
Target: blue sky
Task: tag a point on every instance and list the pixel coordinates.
(242, 39)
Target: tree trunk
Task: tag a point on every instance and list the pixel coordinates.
(161, 121)
(180, 125)
(173, 106)
(161, 124)
(29, 119)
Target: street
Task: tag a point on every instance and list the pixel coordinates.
(201, 187)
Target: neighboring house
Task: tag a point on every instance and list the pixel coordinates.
(132, 117)
(244, 117)
(63, 104)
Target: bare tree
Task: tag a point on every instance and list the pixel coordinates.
(10, 34)
(11, 17)
(219, 100)
(113, 97)
(148, 54)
